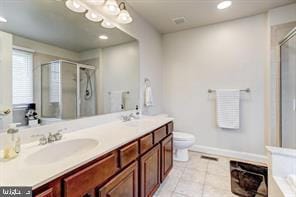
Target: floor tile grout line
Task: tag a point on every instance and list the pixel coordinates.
(204, 183)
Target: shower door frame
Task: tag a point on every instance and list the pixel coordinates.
(289, 36)
(78, 66)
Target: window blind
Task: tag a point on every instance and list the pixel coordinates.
(22, 75)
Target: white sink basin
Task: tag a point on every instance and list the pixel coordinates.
(60, 150)
(139, 123)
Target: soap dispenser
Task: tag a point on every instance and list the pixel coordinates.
(12, 145)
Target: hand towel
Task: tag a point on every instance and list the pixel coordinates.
(228, 108)
(116, 101)
(148, 96)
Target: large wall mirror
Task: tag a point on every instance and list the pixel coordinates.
(66, 67)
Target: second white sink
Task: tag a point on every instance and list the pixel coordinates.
(58, 151)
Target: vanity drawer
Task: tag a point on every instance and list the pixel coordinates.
(146, 143)
(128, 153)
(159, 134)
(170, 127)
(90, 177)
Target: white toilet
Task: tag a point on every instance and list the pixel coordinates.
(182, 141)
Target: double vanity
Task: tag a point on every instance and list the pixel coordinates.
(113, 159)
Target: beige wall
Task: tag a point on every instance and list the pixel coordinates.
(225, 55)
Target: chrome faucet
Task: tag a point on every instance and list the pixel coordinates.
(129, 117)
(51, 137)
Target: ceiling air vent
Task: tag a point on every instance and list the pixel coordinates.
(179, 20)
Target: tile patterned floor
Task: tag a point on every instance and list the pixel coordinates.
(198, 178)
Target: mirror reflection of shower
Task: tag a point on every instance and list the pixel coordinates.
(68, 90)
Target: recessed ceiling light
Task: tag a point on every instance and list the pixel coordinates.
(224, 4)
(3, 20)
(103, 37)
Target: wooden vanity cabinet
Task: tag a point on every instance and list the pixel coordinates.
(134, 169)
(80, 183)
(124, 184)
(166, 156)
(47, 193)
(150, 171)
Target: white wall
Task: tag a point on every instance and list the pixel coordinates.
(120, 72)
(226, 55)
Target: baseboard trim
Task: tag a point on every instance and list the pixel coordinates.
(230, 153)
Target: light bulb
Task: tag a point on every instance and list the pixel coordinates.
(75, 6)
(124, 17)
(95, 2)
(224, 4)
(107, 24)
(111, 7)
(90, 15)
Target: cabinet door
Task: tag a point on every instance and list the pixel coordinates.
(47, 193)
(166, 156)
(85, 180)
(124, 184)
(150, 171)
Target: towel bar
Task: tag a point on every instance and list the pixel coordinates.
(244, 90)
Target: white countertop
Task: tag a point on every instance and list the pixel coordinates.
(282, 162)
(17, 172)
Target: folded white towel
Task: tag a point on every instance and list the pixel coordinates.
(228, 108)
(148, 97)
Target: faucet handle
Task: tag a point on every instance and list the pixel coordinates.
(51, 138)
(42, 140)
(58, 135)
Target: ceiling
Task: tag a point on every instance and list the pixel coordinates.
(198, 12)
(51, 22)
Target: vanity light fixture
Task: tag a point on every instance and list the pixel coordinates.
(3, 20)
(111, 7)
(92, 16)
(95, 2)
(124, 17)
(224, 4)
(103, 37)
(75, 6)
(107, 24)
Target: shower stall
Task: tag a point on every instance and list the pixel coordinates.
(67, 90)
(288, 90)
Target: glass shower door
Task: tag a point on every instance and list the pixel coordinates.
(68, 90)
(50, 90)
(288, 92)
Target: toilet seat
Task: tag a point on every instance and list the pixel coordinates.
(180, 136)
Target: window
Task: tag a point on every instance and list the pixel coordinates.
(22, 77)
